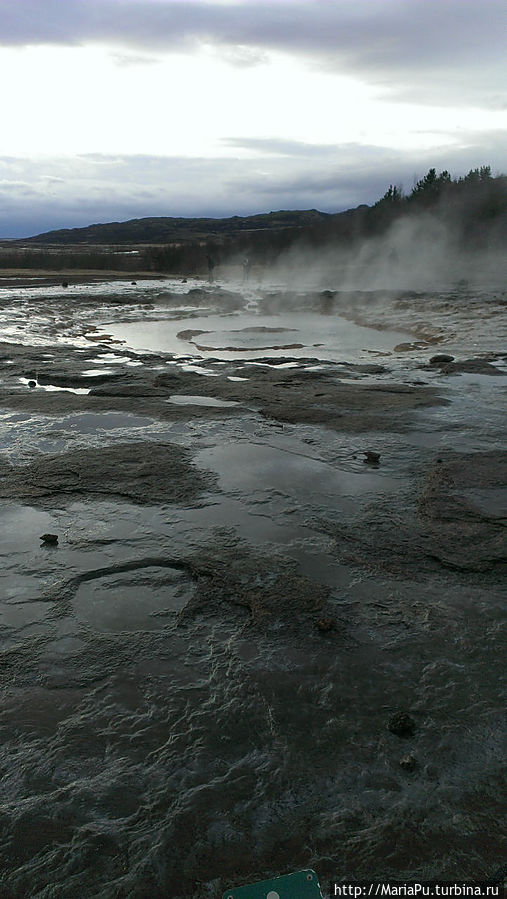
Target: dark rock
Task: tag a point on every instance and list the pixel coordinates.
(401, 724)
(471, 366)
(325, 625)
(371, 458)
(369, 369)
(441, 359)
(32, 383)
(190, 333)
(133, 283)
(50, 539)
(141, 473)
(174, 381)
(498, 877)
(65, 283)
(408, 763)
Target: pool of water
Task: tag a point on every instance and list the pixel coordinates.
(247, 467)
(132, 601)
(473, 418)
(249, 335)
(185, 400)
(52, 387)
(90, 422)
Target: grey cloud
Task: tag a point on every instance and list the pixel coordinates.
(420, 49)
(126, 60)
(10, 189)
(278, 146)
(243, 57)
(357, 173)
(8, 183)
(95, 188)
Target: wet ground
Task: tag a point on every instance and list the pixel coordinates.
(200, 677)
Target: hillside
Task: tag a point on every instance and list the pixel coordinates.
(167, 230)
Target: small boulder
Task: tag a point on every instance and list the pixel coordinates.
(32, 383)
(371, 458)
(401, 724)
(49, 539)
(65, 283)
(325, 625)
(441, 359)
(472, 367)
(408, 763)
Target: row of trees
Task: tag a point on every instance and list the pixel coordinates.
(479, 190)
(475, 207)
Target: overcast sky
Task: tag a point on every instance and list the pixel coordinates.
(118, 109)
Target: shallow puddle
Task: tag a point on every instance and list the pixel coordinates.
(142, 599)
(199, 371)
(490, 501)
(21, 526)
(89, 422)
(472, 420)
(108, 359)
(184, 400)
(19, 614)
(53, 387)
(249, 466)
(21, 435)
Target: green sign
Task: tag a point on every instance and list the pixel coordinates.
(301, 885)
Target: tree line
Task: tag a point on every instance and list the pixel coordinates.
(474, 206)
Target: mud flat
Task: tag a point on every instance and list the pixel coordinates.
(265, 558)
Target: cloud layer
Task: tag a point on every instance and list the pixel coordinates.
(415, 47)
(38, 196)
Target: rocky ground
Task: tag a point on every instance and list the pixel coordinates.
(204, 674)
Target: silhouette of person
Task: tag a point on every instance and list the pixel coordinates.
(246, 269)
(211, 267)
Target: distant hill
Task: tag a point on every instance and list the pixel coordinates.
(471, 209)
(167, 230)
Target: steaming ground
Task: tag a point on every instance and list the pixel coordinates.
(198, 679)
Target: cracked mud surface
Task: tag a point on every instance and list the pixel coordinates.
(197, 680)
